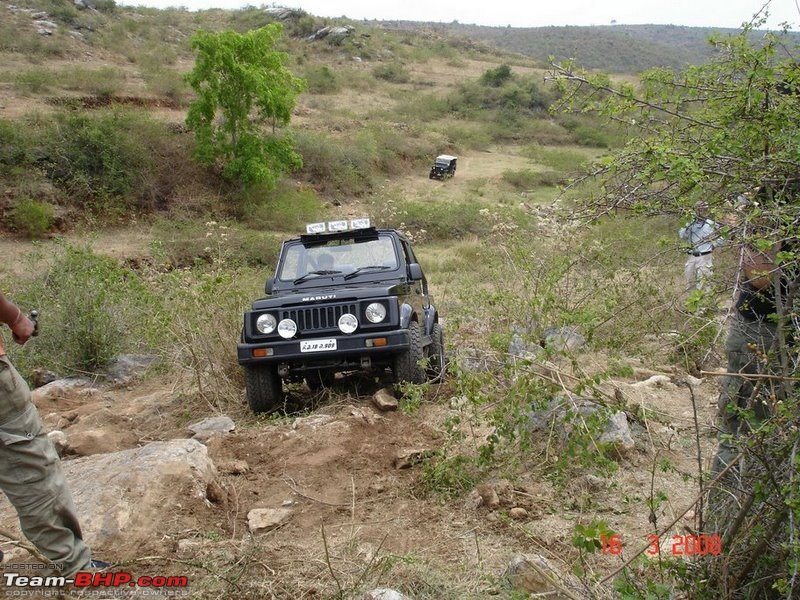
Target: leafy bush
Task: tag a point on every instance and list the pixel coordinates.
(15, 144)
(321, 80)
(591, 132)
(104, 161)
(287, 208)
(392, 72)
(527, 179)
(336, 165)
(33, 81)
(104, 81)
(566, 161)
(90, 309)
(496, 77)
(31, 217)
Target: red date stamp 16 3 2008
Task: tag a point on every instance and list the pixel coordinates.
(682, 545)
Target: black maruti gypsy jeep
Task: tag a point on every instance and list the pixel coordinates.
(349, 298)
(444, 166)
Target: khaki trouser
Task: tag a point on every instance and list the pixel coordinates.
(748, 342)
(32, 478)
(698, 271)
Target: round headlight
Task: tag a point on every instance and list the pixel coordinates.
(375, 312)
(287, 328)
(348, 323)
(266, 323)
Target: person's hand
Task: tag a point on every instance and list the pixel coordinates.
(22, 330)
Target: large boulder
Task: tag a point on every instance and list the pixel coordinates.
(123, 499)
(533, 574)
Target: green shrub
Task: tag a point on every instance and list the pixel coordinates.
(31, 217)
(392, 72)
(321, 80)
(15, 144)
(496, 77)
(106, 161)
(167, 83)
(104, 81)
(335, 165)
(287, 208)
(33, 81)
(566, 161)
(91, 309)
(527, 179)
(592, 132)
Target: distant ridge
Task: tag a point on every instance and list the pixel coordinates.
(612, 48)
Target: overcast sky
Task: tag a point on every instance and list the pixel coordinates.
(519, 13)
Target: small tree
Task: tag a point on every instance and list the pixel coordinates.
(242, 77)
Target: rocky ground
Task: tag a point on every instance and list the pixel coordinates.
(327, 501)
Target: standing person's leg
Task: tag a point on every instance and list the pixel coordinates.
(32, 478)
(748, 342)
(704, 268)
(690, 273)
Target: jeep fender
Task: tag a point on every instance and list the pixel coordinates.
(431, 317)
(406, 313)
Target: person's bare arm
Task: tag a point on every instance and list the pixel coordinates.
(21, 326)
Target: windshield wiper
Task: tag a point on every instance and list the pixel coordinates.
(359, 269)
(320, 272)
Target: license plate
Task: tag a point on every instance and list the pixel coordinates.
(317, 345)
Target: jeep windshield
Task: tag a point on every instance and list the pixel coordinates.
(320, 259)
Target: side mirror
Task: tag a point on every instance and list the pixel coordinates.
(268, 286)
(415, 272)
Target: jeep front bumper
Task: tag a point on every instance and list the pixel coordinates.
(309, 353)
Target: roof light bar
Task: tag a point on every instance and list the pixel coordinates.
(334, 226)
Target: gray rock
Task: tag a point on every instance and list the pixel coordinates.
(120, 496)
(518, 513)
(333, 34)
(519, 348)
(473, 360)
(127, 367)
(260, 520)
(83, 3)
(98, 441)
(563, 339)
(62, 389)
(384, 594)
(283, 14)
(533, 574)
(46, 23)
(43, 377)
(218, 424)
(617, 434)
(384, 400)
(407, 458)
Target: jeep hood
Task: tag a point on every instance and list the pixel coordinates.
(331, 294)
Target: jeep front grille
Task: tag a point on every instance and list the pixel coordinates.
(318, 318)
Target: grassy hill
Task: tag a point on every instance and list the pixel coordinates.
(610, 48)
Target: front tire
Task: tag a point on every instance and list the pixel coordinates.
(407, 365)
(436, 358)
(264, 388)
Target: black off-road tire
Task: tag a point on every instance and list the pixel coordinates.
(264, 388)
(436, 358)
(407, 366)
